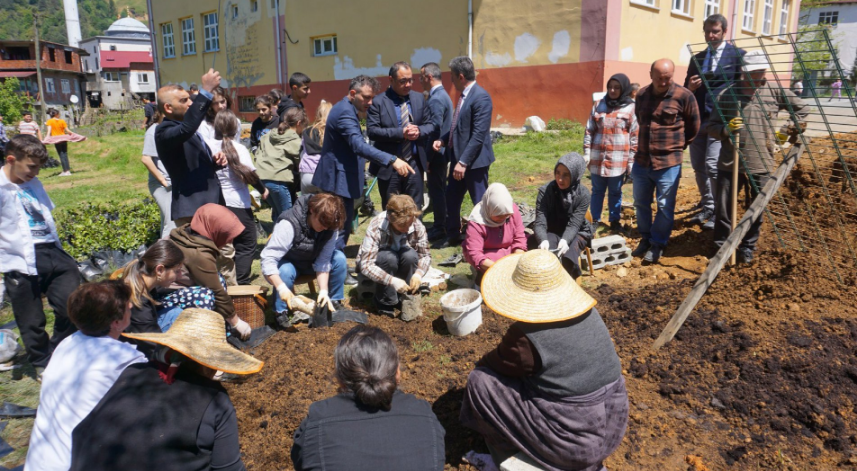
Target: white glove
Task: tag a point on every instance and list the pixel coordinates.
(285, 294)
(562, 246)
(545, 245)
(400, 285)
(324, 299)
(586, 156)
(243, 328)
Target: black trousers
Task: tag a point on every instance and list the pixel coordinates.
(436, 182)
(400, 263)
(245, 245)
(57, 277)
(570, 261)
(62, 151)
(723, 207)
(411, 185)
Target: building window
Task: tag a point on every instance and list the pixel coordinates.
(254, 6)
(324, 46)
(246, 104)
(234, 11)
(648, 3)
(749, 14)
(712, 7)
(169, 42)
(209, 21)
(67, 57)
(19, 53)
(681, 7)
(52, 54)
(188, 37)
(65, 86)
(768, 17)
(784, 18)
(828, 18)
(112, 47)
(49, 86)
(142, 78)
(111, 77)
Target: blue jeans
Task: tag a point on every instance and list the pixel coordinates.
(280, 198)
(704, 152)
(336, 283)
(664, 183)
(613, 187)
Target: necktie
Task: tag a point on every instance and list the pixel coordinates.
(455, 118)
(407, 146)
(706, 64)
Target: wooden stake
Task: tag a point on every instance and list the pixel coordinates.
(716, 264)
(735, 162)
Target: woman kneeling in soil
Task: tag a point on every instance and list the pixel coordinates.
(370, 425)
(212, 227)
(495, 230)
(553, 389)
(561, 208)
(304, 242)
(169, 415)
(395, 255)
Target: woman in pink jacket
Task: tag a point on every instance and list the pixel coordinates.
(495, 230)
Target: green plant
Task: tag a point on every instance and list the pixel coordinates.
(422, 346)
(89, 228)
(560, 124)
(11, 101)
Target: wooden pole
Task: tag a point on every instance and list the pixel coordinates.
(735, 161)
(39, 70)
(716, 264)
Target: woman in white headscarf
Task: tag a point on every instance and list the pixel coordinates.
(495, 230)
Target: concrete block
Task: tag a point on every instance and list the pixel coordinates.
(365, 287)
(607, 244)
(520, 462)
(614, 257)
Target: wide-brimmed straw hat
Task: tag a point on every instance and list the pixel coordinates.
(200, 335)
(533, 287)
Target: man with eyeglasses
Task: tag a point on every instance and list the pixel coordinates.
(398, 123)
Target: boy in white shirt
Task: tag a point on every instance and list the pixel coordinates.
(32, 260)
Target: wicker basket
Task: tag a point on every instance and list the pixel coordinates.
(250, 303)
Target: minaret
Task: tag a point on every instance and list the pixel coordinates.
(72, 22)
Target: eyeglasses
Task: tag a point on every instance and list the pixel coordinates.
(405, 81)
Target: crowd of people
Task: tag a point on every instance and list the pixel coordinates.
(131, 373)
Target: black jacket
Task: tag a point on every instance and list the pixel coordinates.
(285, 103)
(554, 216)
(382, 126)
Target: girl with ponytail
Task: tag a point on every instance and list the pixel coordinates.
(370, 424)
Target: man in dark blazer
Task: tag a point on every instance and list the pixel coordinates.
(341, 167)
(399, 125)
(186, 157)
(468, 145)
(440, 109)
(720, 65)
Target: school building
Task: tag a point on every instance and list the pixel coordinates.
(535, 57)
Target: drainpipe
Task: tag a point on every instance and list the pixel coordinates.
(470, 29)
(154, 46)
(279, 48)
(734, 19)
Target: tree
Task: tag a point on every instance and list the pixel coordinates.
(853, 76)
(11, 101)
(812, 53)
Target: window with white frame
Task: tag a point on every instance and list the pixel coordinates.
(681, 7)
(749, 15)
(324, 46)
(110, 77)
(209, 21)
(254, 6)
(784, 18)
(234, 11)
(828, 18)
(712, 7)
(65, 86)
(169, 41)
(49, 86)
(142, 78)
(648, 3)
(768, 17)
(188, 37)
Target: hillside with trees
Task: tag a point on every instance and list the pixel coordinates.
(16, 17)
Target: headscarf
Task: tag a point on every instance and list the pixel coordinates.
(495, 202)
(624, 97)
(576, 166)
(216, 223)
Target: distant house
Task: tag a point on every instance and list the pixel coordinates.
(841, 17)
(61, 75)
(120, 68)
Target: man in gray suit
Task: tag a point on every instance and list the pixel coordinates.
(440, 113)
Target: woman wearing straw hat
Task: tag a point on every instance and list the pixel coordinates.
(561, 208)
(553, 389)
(371, 425)
(169, 415)
(495, 230)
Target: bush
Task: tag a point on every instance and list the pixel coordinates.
(560, 124)
(89, 228)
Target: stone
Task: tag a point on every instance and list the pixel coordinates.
(411, 307)
(520, 462)
(622, 272)
(534, 123)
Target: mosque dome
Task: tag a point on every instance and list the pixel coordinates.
(128, 28)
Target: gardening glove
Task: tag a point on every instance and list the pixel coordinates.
(285, 294)
(244, 330)
(416, 281)
(399, 285)
(545, 245)
(562, 248)
(782, 138)
(586, 156)
(735, 124)
(324, 300)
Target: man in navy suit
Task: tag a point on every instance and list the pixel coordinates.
(399, 125)
(441, 110)
(468, 145)
(721, 65)
(341, 167)
(186, 157)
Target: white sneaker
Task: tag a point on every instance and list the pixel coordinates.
(65, 174)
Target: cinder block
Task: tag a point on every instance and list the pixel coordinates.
(365, 287)
(520, 462)
(607, 244)
(614, 257)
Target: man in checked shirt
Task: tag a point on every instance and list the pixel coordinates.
(668, 117)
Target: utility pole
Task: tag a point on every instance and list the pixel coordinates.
(39, 67)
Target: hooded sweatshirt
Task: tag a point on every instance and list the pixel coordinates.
(278, 156)
(563, 212)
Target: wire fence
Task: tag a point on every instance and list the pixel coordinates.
(815, 211)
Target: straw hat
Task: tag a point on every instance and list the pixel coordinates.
(533, 287)
(200, 335)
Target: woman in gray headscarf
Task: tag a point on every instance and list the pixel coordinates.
(561, 214)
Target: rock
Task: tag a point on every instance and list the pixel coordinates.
(411, 307)
(534, 123)
(622, 272)
(794, 307)
(717, 403)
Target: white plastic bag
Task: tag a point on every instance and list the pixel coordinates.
(9, 346)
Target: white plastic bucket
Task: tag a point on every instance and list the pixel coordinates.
(462, 311)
